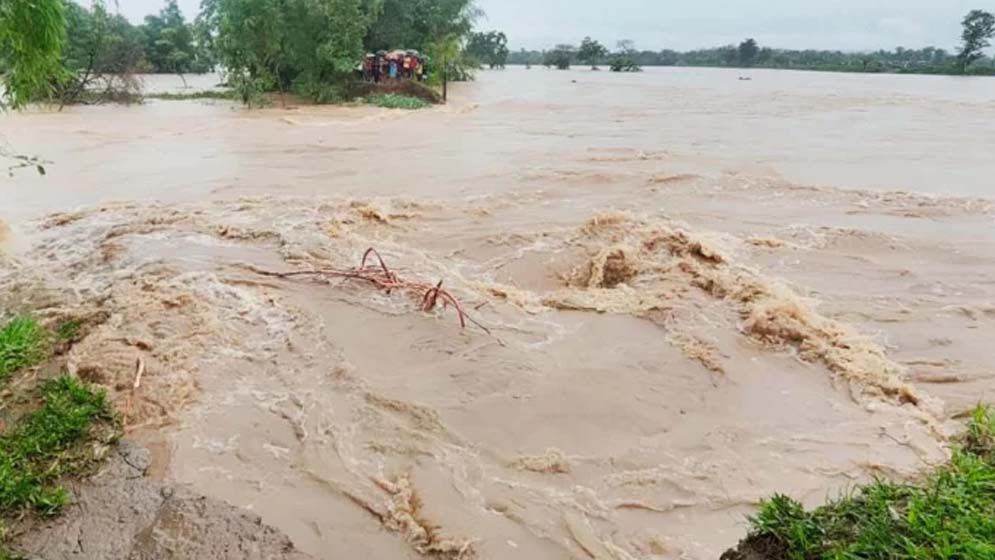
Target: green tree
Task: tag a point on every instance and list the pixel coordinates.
(417, 24)
(314, 46)
(979, 28)
(561, 57)
(730, 55)
(250, 40)
(32, 33)
(204, 49)
(449, 61)
(624, 60)
(489, 48)
(169, 42)
(429, 26)
(748, 52)
(100, 57)
(668, 57)
(591, 52)
(526, 57)
(325, 46)
(311, 46)
(928, 60)
(626, 46)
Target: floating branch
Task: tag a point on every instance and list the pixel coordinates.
(372, 269)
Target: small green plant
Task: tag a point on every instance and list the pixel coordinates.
(69, 330)
(23, 343)
(979, 439)
(949, 514)
(35, 453)
(397, 101)
(8, 555)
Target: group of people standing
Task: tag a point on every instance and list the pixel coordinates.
(395, 65)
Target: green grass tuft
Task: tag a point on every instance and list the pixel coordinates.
(979, 439)
(398, 101)
(36, 451)
(47, 435)
(69, 330)
(23, 343)
(950, 514)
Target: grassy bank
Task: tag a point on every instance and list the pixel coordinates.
(52, 425)
(398, 101)
(948, 514)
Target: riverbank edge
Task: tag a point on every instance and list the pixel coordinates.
(944, 513)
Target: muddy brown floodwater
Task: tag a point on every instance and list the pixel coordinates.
(700, 291)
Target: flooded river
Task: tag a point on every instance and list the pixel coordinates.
(697, 290)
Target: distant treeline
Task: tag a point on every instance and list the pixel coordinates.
(929, 60)
(978, 30)
(60, 50)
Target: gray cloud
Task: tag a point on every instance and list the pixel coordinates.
(685, 24)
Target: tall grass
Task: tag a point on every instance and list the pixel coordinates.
(33, 452)
(48, 436)
(948, 515)
(23, 343)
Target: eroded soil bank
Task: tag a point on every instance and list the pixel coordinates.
(121, 513)
(681, 322)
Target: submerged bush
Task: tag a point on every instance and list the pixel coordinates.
(623, 63)
(398, 101)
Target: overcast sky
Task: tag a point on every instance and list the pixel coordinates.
(687, 24)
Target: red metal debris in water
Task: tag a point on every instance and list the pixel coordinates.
(378, 274)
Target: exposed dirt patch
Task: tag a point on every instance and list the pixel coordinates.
(757, 548)
(122, 514)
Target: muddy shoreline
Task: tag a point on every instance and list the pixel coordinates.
(121, 513)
